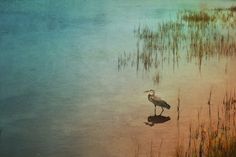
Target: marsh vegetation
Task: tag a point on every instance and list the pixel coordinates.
(214, 137)
(193, 36)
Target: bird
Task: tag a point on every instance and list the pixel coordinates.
(157, 101)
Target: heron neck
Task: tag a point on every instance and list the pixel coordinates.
(149, 96)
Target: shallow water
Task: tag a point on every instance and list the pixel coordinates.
(61, 92)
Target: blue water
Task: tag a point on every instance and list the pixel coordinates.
(61, 94)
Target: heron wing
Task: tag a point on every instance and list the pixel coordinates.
(159, 102)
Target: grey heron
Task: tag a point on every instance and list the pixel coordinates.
(157, 101)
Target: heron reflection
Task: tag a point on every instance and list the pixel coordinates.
(152, 120)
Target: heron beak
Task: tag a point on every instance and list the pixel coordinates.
(146, 91)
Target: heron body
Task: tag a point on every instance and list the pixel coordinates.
(157, 101)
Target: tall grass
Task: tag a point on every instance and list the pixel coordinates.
(216, 139)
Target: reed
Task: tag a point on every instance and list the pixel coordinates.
(214, 140)
(198, 35)
(178, 105)
(159, 152)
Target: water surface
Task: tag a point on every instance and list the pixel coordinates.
(62, 94)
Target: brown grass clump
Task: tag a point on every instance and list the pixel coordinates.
(233, 8)
(201, 16)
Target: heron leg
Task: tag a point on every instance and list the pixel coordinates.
(155, 111)
(162, 110)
